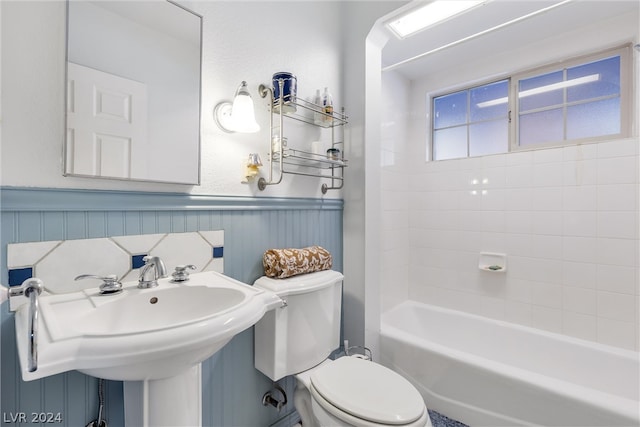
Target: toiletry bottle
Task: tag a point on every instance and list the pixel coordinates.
(318, 117)
(327, 103)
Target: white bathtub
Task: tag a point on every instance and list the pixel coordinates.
(490, 373)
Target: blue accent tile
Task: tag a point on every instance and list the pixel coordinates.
(218, 252)
(136, 261)
(19, 275)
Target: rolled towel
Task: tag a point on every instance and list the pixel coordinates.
(281, 263)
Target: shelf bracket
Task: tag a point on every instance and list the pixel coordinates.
(265, 92)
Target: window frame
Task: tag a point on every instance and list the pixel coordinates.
(468, 121)
(513, 144)
(625, 102)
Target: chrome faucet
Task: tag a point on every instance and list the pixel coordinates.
(152, 270)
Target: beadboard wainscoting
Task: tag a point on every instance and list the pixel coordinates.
(233, 389)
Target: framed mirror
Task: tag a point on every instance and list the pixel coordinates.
(133, 91)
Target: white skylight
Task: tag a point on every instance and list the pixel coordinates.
(429, 15)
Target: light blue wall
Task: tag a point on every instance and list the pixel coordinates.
(233, 389)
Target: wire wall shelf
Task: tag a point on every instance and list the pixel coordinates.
(283, 160)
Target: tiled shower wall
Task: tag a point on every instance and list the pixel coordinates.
(394, 187)
(567, 218)
(232, 387)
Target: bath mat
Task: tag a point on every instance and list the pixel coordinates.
(439, 420)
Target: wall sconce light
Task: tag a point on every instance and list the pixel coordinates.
(239, 116)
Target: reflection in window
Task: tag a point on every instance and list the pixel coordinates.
(581, 100)
(573, 103)
(471, 122)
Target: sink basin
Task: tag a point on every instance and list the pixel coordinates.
(141, 334)
(137, 311)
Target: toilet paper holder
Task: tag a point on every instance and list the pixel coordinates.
(269, 399)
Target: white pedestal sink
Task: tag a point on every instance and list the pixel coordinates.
(153, 339)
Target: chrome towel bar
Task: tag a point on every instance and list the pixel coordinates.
(30, 288)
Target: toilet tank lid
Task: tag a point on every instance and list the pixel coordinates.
(300, 284)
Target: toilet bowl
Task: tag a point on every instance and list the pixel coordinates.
(298, 338)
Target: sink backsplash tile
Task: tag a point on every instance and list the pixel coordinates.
(138, 244)
(57, 263)
(215, 238)
(27, 254)
(72, 258)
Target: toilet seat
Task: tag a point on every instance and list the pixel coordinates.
(366, 393)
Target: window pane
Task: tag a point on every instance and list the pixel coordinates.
(488, 138)
(605, 75)
(537, 128)
(593, 119)
(490, 101)
(567, 102)
(537, 92)
(450, 143)
(450, 110)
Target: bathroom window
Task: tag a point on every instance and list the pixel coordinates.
(468, 124)
(576, 101)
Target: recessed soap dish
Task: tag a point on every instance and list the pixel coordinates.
(493, 262)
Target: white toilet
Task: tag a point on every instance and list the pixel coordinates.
(349, 391)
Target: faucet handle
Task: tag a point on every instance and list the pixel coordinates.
(110, 283)
(181, 274)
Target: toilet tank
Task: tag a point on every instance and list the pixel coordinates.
(300, 335)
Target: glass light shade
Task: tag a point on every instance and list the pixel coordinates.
(239, 116)
(243, 118)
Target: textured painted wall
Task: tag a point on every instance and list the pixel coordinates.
(233, 389)
(241, 41)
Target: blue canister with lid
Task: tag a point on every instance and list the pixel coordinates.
(289, 88)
